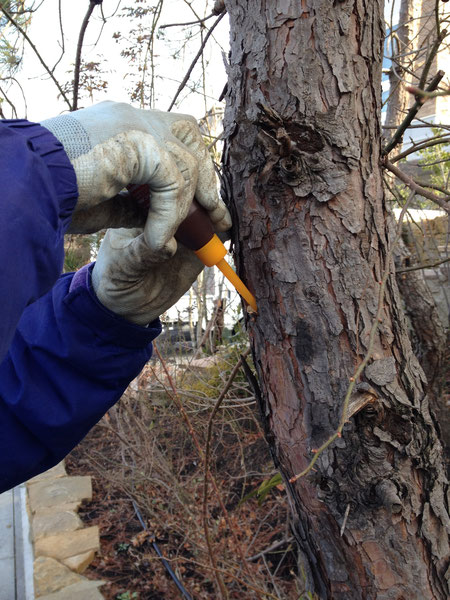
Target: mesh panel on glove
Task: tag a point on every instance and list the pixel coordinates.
(71, 134)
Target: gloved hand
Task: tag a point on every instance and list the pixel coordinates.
(130, 281)
(111, 145)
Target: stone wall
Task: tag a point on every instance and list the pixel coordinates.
(63, 548)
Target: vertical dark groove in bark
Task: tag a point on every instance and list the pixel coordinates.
(302, 158)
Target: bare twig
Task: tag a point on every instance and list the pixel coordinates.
(378, 319)
(433, 186)
(35, 50)
(150, 48)
(271, 548)
(194, 62)
(419, 267)
(214, 142)
(444, 139)
(197, 22)
(76, 74)
(397, 137)
(442, 202)
(430, 58)
(13, 108)
(436, 16)
(427, 95)
(61, 30)
(206, 473)
(344, 522)
(424, 125)
(434, 162)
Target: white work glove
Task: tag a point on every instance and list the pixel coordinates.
(130, 281)
(112, 145)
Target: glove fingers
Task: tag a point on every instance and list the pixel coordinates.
(189, 134)
(170, 280)
(187, 165)
(119, 211)
(169, 204)
(127, 253)
(132, 281)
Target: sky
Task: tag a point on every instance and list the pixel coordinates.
(45, 32)
(41, 95)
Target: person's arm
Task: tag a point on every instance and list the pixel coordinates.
(69, 362)
(71, 358)
(72, 167)
(39, 193)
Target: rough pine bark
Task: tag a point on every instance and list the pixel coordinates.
(303, 176)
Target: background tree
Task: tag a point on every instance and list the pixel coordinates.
(303, 166)
(11, 44)
(400, 40)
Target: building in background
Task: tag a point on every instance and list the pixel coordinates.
(409, 41)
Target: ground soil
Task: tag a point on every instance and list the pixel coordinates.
(127, 560)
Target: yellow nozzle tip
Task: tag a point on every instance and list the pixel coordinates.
(238, 283)
(213, 253)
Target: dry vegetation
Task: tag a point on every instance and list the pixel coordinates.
(150, 449)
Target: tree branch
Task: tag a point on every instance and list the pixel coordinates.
(14, 111)
(421, 126)
(35, 50)
(76, 74)
(430, 58)
(413, 185)
(61, 30)
(194, 62)
(427, 95)
(198, 21)
(420, 267)
(397, 137)
(378, 319)
(416, 147)
(271, 548)
(206, 471)
(433, 186)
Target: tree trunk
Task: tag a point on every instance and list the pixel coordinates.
(303, 176)
(428, 337)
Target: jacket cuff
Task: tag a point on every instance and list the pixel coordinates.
(107, 325)
(50, 149)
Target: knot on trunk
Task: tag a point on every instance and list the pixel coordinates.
(300, 155)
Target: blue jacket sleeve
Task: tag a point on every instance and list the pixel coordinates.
(39, 193)
(69, 362)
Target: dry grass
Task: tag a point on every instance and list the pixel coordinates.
(150, 448)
